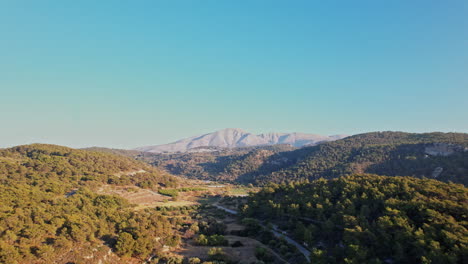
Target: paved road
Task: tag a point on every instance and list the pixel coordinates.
(277, 232)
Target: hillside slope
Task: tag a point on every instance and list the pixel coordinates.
(232, 165)
(370, 218)
(50, 211)
(443, 156)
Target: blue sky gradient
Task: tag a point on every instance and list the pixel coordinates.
(130, 73)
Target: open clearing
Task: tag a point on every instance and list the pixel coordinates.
(142, 197)
(246, 253)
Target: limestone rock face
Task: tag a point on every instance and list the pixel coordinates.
(443, 149)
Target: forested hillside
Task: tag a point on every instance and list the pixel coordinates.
(123, 152)
(370, 218)
(442, 156)
(72, 167)
(232, 165)
(50, 212)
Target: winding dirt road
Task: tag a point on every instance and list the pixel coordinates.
(277, 232)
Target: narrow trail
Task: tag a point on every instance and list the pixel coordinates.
(277, 232)
(234, 212)
(280, 233)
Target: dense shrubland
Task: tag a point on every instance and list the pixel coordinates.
(262, 233)
(49, 207)
(49, 204)
(370, 218)
(63, 167)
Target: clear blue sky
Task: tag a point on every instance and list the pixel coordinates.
(131, 73)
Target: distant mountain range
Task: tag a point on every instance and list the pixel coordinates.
(234, 138)
(441, 156)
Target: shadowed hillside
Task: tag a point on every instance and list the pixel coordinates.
(370, 218)
(442, 156)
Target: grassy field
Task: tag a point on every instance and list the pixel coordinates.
(143, 198)
(183, 196)
(241, 191)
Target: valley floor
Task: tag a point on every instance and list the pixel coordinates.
(208, 199)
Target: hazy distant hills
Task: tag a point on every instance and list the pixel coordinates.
(234, 138)
(441, 156)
